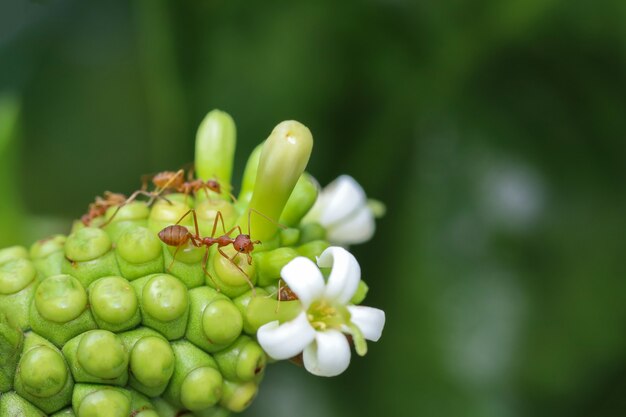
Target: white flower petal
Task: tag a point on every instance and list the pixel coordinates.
(358, 228)
(369, 320)
(340, 199)
(286, 340)
(345, 274)
(329, 355)
(303, 278)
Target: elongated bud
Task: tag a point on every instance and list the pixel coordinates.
(283, 159)
(249, 177)
(300, 201)
(269, 264)
(215, 147)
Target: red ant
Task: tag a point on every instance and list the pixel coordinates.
(101, 205)
(177, 235)
(170, 181)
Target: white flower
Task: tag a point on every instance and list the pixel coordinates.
(318, 331)
(342, 209)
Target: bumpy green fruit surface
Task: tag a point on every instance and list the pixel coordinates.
(109, 321)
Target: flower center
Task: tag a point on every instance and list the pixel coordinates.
(324, 315)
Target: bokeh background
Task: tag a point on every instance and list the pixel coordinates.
(493, 130)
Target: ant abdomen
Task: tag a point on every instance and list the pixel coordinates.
(174, 235)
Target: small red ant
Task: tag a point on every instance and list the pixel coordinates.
(101, 205)
(178, 236)
(171, 181)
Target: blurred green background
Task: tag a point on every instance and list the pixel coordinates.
(495, 132)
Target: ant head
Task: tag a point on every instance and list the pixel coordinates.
(244, 244)
(213, 185)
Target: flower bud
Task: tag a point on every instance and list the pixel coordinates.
(17, 288)
(89, 255)
(48, 255)
(43, 377)
(114, 304)
(215, 147)
(151, 360)
(300, 201)
(215, 322)
(11, 340)
(243, 361)
(11, 404)
(238, 396)
(126, 217)
(269, 263)
(197, 382)
(164, 304)
(139, 253)
(283, 159)
(101, 401)
(59, 311)
(97, 356)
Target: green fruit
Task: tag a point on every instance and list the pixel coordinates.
(112, 322)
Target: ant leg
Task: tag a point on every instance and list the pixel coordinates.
(195, 222)
(129, 200)
(232, 261)
(205, 261)
(250, 210)
(221, 218)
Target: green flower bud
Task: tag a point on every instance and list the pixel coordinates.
(232, 278)
(166, 409)
(66, 412)
(197, 382)
(11, 341)
(283, 159)
(139, 253)
(300, 201)
(89, 256)
(97, 356)
(313, 249)
(312, 231)
(249, 178)
(207, 211)
(165, 213)
(269, 263)
(101, 401)
(48, 255)
(215, 147)
(360, 293)
(114, 304)
(164, 304)
(12, 253)
(15, 275)
(17, 287)
(127, 217)
(289, 237)
(11, 404)
(141, 406)
(212, 412)
(151, 360)
(243, 361)
(43, 377)
(187, 266)
(59, 311)
(263, 308)
(215, 322)
(238, 396)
